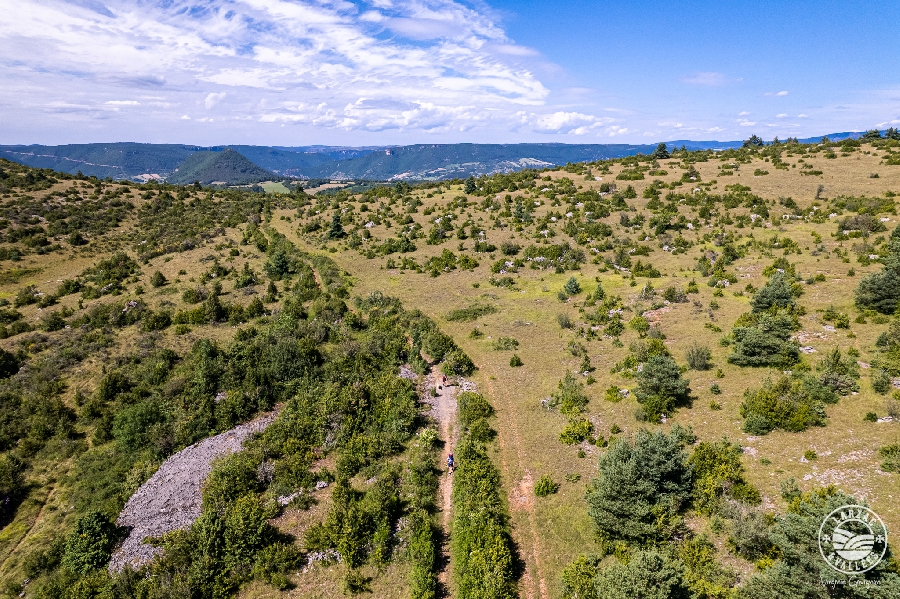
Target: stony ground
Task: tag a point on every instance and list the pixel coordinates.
(172, 498)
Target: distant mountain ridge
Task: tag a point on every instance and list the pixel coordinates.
(139, 161)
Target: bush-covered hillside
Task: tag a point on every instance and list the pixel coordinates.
(663, 371)
(227, 167)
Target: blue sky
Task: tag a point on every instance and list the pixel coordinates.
(373, 72)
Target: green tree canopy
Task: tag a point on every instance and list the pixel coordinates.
(89, 545)
(660, 387)
(643, 484)
(661, 152)
(755, 141)
(776, 292)
(799, 569)
(647, 575)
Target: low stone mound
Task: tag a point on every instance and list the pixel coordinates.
(172, 498)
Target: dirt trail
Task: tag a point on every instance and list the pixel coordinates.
(37, 518)
(522, 499)
(443, 409)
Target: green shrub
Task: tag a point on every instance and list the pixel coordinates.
(564, 321)
(245, 278)
(891, 456)
(881, 381)
(472, 407)
(577, 430)
(639, 324)
(578, 578)
(470, 313)
(718, 474)
(675, 295)
(156, 321)
(612, 394)
(704, 576)
(838, 373)
(570, 397)
(648, 574)
(515, 361)
(480, 544)
(89, 545)
(193, 295)
(108, 275)
(508, 248)
(699, 357)
(422, 554)
(545, 486)
(158, 279)
(457, 363)
(791, 403)
(505, 343)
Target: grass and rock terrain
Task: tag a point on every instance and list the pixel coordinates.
(682, 360)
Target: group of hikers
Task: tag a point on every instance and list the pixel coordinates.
(450, 463)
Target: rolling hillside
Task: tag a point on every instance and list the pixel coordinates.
(227, 167)
(660, 370)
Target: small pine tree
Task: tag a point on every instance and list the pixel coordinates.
(644, 482)
(661, 152)
(755, 141)
(572, 287)
(660, 387)
(871, 135)
(515, 361)
(271, 293)
(337, 229)
(776, 292)
(470, 185)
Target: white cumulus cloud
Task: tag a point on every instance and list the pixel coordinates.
(420, 64)
(213, 98)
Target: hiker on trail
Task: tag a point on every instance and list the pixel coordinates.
(444, 379)
(450, 464)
